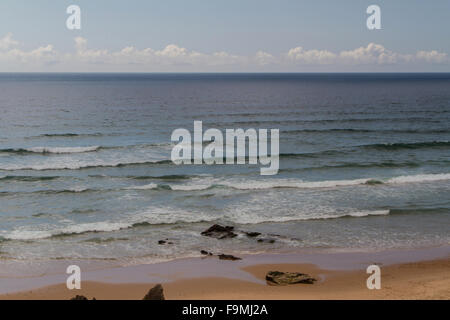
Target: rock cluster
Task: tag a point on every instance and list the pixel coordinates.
(79, 297)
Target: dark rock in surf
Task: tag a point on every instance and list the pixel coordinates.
(220, 232)
(266, 240)
(161, 242)
(253, 234)
(206, 253)
(228, 257)
(155, 293)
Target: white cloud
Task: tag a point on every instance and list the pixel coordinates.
(263, 58)
(10, 53)
(372, 54)
(173, 58)
(7, 42)
(87, 55)
(301, 55)
(432, 56)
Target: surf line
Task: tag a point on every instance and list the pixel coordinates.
(209, 147)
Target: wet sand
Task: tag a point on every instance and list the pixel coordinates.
(416, 280)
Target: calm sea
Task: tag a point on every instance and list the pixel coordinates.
(85, 169)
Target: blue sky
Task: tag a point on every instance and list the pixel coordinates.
(231, 35)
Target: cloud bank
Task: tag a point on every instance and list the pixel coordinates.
(176, 58)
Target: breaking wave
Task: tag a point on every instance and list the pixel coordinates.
(52, 150)
(144, 221)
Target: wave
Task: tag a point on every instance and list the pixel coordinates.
(351, 130)
(413, 145)
(409, 164)
(257, 220)
(420, 178)
(299, 184)
(23, 234)
(69, 135)
(255, 185)
(51, 150)
(145, 221)
(292, 183)
(377, 146)
(49, 192)
(28, 178)
(150, 186)
(402, 211)
(255, 123)
(164, 177)
(75, 166)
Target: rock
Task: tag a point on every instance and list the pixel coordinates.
(166, 241)
(77, 297)
(266, 240)
(285, 278)
(155, 293)
(220, 232)
(206, 253)
(228, 257)
(252, 234)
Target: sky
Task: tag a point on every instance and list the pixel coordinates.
(224, 36)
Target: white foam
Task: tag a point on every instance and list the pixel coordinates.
(191, 187)
(27, 235)
(300, 184)
(254, 185)
(159, 215)
(144, 187)
(420, 178)
(94, 227)
(24, 234)
(252, 219)
(154, 215)
(62, 150)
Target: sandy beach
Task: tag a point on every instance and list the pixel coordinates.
(413, 280)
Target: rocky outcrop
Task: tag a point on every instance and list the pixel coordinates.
(219, 232)
(155, 293)
(253, 234)
(285, 278)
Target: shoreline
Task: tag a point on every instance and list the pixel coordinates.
(209, 277)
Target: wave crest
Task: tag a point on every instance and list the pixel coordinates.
(52, 150)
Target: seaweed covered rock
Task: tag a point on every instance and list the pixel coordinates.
(285, 278)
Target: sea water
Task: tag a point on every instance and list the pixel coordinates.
(85, 170)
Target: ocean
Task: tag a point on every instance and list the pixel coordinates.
(85, 170)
